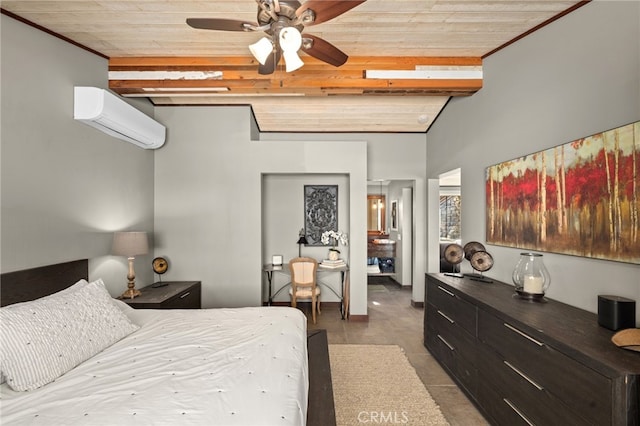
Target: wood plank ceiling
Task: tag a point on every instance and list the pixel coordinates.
(199, 67)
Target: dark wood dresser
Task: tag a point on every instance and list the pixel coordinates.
(529, 363)
(174, 295)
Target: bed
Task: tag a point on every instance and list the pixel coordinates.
(244, 366)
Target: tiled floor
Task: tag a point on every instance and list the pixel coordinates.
(392, 320)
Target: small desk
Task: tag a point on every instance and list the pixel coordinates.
(269, 269)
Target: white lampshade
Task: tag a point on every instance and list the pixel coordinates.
(261, 49)
(292, 61)
(130, 244)
(290, 42)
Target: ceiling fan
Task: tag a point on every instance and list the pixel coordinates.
(284, 21)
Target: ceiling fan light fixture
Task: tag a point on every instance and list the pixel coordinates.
(292, 61)
(261, 49)
(290, 42)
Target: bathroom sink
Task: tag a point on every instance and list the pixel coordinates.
(383, 241)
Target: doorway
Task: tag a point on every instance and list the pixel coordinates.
(390, 230)
(450, 206)
(445, 208)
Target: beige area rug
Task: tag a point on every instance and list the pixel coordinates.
(376, 384)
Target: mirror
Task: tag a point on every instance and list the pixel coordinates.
(450, 206)
(376, 213)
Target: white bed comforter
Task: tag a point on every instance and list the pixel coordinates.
(245, 366)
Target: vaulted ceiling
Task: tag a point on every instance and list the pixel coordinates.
(437, 47)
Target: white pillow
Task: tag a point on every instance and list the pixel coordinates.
(79, 284)
(43, 339)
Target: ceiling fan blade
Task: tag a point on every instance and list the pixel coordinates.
(271, 63)
(220, 24)
(323, 50)
(325, 10)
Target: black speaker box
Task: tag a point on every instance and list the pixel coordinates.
(616, 313)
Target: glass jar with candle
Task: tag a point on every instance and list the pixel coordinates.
(531, 277)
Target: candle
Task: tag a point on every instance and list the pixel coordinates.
(533, 284)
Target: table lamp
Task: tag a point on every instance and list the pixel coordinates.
(301, 240)
(130, 244)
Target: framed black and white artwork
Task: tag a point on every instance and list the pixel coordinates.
(320, 211)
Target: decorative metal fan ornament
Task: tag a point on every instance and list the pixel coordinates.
(160, 265)
(472, 247)
(454, 253)
(480, 260)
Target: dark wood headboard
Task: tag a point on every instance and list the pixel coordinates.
(30, 284)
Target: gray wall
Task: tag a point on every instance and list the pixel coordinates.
(399, 158)
(209, 201)
(283, 217)
(65, 186)
(404, 227)
(219, 215)
(576, 77)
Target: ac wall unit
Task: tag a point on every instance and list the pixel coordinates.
(104, 111)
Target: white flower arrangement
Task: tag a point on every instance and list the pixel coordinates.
(335, 238)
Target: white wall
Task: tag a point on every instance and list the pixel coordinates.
(576, 77)
(65, 186)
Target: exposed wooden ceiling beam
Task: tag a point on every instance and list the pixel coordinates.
(129, 76)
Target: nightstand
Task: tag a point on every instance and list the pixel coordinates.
(174, 295)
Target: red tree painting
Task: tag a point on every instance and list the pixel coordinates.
(581, 198)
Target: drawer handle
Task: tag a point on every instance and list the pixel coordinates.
(446, 343)
(518, 412)
(446, 317)
(446, 291)
(526, 336)
(524, 376)
(185, 295)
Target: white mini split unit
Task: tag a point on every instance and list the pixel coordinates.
(104, 111)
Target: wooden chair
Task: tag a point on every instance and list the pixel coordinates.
(304, 283)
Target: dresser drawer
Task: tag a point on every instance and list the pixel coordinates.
(502, 410)
(531, 399)
(448, 356)
(449, 303)
(186, 299)
(582, 390)
(462, 342)
(170, 295)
